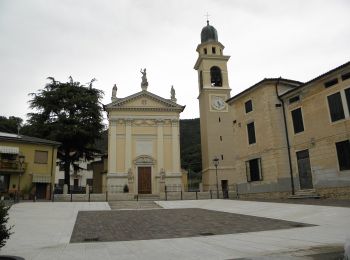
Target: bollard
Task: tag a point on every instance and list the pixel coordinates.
(211, 195)
(71, 196)
(53, 196)
(196, 194)
(137, 197)
(181, 194)
(89, 196)
(106, 195)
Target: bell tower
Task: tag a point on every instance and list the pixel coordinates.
(215, 120)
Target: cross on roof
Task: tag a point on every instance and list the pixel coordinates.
(207, 15)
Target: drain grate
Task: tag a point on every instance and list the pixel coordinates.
(91, 239)
(206, 234)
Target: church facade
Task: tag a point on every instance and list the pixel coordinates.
(277, 138)
(143, 142)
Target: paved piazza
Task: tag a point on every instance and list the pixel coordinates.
(128, 225)
(43, 230)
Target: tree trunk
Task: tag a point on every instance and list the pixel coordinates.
(67, 173)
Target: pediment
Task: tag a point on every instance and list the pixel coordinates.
(144, 100)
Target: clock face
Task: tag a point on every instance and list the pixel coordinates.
(218, 103)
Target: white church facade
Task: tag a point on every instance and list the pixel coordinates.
(143, 142)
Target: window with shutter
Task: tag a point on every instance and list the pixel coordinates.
(336, 107)
(297, 118)
(251, 133)
(343, 152)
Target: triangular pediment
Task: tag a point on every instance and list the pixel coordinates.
(144, 100)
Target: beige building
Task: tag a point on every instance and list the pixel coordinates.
(279, 137)
(318, 120)
(143, 142)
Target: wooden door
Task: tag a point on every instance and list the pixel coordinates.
(144, 180)
(304, 167)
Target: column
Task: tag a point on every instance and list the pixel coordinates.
(160, 145)
(175, 145)
(112, 147)
(127, 144)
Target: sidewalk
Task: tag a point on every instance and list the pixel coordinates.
(43, 231)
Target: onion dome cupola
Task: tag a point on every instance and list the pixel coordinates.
(209, 33)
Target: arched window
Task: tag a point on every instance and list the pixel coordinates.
(215, 76)
(201, 80)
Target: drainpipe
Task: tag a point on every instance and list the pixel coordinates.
(287, 138)
(52, 183)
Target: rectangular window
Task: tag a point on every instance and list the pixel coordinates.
(297, 117)
(213, 50)
(347, 95)
(251, 133)
(41, 157)
(294, 99)
(345, 76)
(330, 83)
(248, 106)
(205, 50)
(253, 170)
(343, 152)
(336, 107)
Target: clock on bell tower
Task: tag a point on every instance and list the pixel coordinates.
(215, 120)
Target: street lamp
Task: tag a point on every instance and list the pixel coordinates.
(21, 162)
(216, 164)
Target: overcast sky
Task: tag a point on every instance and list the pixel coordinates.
(112, 40)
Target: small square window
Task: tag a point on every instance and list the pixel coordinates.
(294, 99)
(41, 157)
(248, 106)
(330, 83)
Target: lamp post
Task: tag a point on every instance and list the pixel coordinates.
(21, 162)
(216, 164)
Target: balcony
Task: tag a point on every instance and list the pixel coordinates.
(11, 166)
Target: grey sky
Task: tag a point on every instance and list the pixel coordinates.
(113, 40)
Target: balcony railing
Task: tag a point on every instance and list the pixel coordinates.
(11, 166)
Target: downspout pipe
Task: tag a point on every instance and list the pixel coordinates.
(287, 138)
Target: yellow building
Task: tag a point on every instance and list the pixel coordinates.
(27, 164)
(278, 138)
(143, 142)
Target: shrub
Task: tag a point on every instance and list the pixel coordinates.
(5, 231)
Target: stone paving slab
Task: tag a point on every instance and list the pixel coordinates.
(311, 201)
(127, 225)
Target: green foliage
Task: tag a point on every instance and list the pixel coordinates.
(5, 231)
(10, 125)
(70, 113)
(190, 143)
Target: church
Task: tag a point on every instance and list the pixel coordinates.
(143, 142)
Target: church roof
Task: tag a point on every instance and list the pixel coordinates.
(167, 104)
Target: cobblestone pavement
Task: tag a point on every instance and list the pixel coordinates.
(127, 225)
(317, 202)
(133, 205)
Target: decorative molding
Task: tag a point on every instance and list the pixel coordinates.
(144, 160)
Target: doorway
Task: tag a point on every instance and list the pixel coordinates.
(144, 180)
(40, 190)
(304, 168)
(224, 187)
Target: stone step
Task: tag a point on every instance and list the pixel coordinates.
(305, 194)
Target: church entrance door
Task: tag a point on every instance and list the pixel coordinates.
(144, 180)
